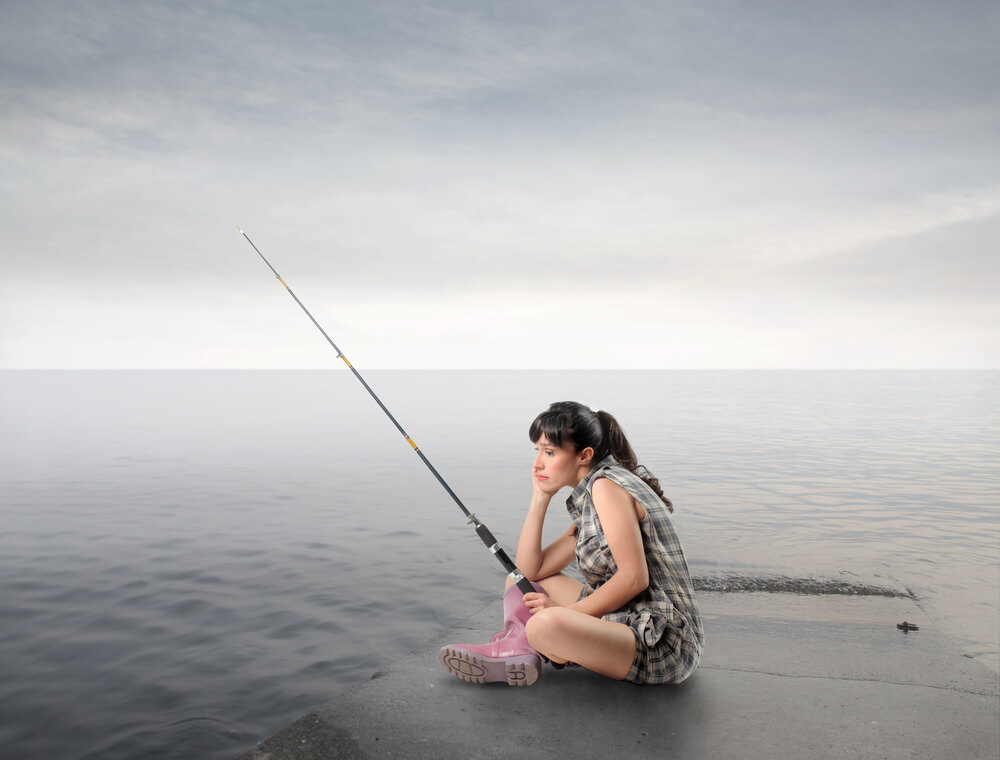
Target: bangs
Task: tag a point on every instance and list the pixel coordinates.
(552, 424)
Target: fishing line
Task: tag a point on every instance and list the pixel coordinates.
(481, 530)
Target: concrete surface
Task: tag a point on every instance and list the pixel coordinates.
(784, 676)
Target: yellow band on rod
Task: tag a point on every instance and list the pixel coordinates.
(410, 441)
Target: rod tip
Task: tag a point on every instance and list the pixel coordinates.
(240, 229)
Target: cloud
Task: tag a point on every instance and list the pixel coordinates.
(663, 167)
(952, 263)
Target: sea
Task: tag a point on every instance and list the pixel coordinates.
(191, 560)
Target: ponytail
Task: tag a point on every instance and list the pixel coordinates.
(577, 424)
(617, 445)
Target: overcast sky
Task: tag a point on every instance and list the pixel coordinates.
(505, 184)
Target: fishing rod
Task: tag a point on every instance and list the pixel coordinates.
(481, 530)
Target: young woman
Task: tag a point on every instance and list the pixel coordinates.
(635, 616)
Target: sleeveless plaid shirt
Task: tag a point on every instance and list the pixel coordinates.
(665, 616)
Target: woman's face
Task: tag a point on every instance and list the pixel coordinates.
(556, 467)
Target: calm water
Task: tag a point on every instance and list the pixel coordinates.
(191, 560)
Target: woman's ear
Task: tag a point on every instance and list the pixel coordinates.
(586, 456)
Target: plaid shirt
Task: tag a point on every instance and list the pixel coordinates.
(664, 617)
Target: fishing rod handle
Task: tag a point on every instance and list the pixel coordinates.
(494, 546)
(525, 586)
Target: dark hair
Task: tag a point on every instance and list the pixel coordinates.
(574, 423)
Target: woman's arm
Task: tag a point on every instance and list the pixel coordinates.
(616, 510)
(535, 562)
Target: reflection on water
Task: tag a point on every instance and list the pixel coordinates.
(191, 560)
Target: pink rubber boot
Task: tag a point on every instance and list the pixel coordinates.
(508, 657)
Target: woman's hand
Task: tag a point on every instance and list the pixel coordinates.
(536, 601)
(540, 497)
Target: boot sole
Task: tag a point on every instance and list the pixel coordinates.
(521, 670)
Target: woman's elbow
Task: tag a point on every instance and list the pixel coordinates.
(638, 581)
(530, 572)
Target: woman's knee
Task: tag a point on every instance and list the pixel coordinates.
(543, 628)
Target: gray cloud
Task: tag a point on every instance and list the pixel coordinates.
(955, 262)
(358, 66)
(518, 146)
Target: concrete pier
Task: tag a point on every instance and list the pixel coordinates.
(784, 676)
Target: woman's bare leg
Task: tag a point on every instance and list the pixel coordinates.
(560, 588)
(565, 635)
